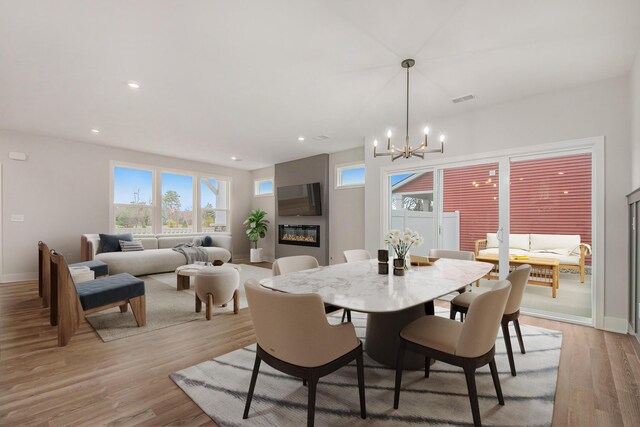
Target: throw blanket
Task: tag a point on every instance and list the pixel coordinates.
(191, 253)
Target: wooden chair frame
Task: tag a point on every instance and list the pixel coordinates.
(309, 376)
(69, 308)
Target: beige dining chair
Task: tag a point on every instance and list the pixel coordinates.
(294, 337)
(451, 254)
(354, 255)
(518, 278)
(469, 345)
(292, 264)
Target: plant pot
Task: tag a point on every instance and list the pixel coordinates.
(256, 255)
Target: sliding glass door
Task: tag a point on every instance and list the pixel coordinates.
(509, 211)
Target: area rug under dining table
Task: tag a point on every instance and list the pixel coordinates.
(219, 387)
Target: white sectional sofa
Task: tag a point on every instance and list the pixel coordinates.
(567, 248)
(157, 256)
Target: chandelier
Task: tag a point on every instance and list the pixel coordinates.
(407, 151)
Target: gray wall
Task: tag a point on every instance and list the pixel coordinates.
(267, 204)
(63, 191)
(347, 209)
(305, 171)
(599, 109)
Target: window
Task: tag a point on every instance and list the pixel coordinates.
(133, 200)
(149, 200)
(263, 187)
(214, 199)
(350, 175)
(177, 203)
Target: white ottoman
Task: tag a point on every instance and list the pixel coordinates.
(217, 286)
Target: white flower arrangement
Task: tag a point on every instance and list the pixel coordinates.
(402, 242)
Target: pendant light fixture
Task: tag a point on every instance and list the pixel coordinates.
(407, 151)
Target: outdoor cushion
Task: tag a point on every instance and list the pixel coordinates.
(554, 241)
(111, 242)
(109, 290)
(516, 241)
(98, 267)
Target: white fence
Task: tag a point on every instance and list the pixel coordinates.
(422, 222)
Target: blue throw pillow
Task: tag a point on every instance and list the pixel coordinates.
(111, 242)
(207, 241)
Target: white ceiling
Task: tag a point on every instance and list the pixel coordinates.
(246, 78)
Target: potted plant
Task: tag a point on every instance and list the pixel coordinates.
(401, 243)
(256, 230)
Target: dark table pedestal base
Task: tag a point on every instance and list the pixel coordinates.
(382, 339)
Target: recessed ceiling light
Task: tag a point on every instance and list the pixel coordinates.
(235, 159)
(134, 85)
(301, 138)
(95, 130)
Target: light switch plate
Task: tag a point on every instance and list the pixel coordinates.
(17, 217)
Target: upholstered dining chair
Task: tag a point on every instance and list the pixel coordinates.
(292, 264)
(354, 255)
(518, 278)
(451, 254)
(294, 337)
(469, 345)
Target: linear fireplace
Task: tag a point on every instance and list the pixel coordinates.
(302, 235)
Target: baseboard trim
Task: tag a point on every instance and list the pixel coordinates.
(615, 324)
(18, 277)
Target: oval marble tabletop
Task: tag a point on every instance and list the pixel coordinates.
(358, 286)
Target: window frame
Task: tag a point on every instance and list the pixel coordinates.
(156, 206)
(256, 186)
(348, 166)
(228, 202)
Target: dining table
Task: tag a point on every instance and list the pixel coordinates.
(390, 301)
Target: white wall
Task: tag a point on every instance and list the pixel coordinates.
(634, 78)
(267, 204)
(63, 192)
(346, 215)
(599, 109)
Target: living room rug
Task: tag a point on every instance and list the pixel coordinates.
(219, 387)
(165, 306)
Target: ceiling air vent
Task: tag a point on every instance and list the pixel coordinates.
(463, 99)
(320, 137)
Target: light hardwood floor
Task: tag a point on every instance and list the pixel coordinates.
(125, 382)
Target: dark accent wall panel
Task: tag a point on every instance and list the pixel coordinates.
(305, 171)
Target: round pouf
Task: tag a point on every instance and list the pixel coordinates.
(217, 286)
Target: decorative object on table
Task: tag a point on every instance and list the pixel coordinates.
(399, 266)
(383, 261)
(422, 261)
(407, 151)
(402, 242)
(256, 230)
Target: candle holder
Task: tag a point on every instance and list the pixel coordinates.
(398, 267)
(383, 268)
(383, 261)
